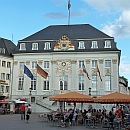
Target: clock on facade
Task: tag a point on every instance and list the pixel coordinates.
(63, 64)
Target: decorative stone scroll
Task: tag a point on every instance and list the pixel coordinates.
(87, 61)
(114, 61)
(27, 62)
(108, 71)
(15, 62)
(100, 61)
(40, 62)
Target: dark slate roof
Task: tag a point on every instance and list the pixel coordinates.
(8, 45)
(78, 31)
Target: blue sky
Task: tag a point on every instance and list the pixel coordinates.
(21, 18)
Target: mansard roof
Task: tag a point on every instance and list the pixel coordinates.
(8, 45)
(75, 33)
(78, 31)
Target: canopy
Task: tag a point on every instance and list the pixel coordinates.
(5, 101)
(72, 97)
(115, 97)
(18, 101)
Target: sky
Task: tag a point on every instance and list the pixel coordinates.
(22, 18)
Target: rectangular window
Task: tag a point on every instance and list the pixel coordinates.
(21, 65)
(3, 63)
(7, 76)
(46, 84)
(108, 83)
(2, 88)
(3, 76)
(34, 65)
(94, 44)
(8, 64)
(46, 64)
(107, 44)
(35, 46)
(20, 84)
(7, 89)
(2, 50)
(107, 63)
(94, 83)
(81, 63)
(33, 84)
(81, 82)
(64, 82)
(94, 63)
(47, 46)
(81, 45)
(22, 46)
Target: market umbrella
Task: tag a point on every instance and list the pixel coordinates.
(112, 98)
(73, 97)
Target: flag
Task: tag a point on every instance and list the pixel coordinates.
(69, 5)
(98, 71)
(85, 71)
(28, 73)
(41, 72)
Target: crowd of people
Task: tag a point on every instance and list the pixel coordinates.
(116, 117)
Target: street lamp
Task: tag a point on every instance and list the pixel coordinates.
(89, 91)
(30, 93)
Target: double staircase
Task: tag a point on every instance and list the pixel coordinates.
(43, 100)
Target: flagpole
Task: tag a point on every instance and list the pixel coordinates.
(69, 12)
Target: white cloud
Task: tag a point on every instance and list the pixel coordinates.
(109, 5)
(124, 68)
(121, 27)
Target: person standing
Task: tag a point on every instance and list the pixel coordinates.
(23, 111)
(27, 112)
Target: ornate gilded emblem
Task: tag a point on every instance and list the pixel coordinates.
(64, 44)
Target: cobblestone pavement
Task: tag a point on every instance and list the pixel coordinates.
(13, 122)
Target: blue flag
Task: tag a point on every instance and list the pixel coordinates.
(28, 72)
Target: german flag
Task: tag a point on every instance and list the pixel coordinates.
(41, 72)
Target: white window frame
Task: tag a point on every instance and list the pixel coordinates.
(63, 82)
(46, 64)
(107, 44)
(94, 83)
(2, 88)
(108, 63)
(47, 46)
(94, 44)
(8, 64)
(3, 63)
(33, 84)
(3, 76)
(108, 83)
(46, 84)
(20, 82)
(81, 63)
(2, 50)
(34, 46)
(81, 45)
(34, 64)
(7, 89)
(94, 63)
(81, 82)
(22, 46)
(21, 65)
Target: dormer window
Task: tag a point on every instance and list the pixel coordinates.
(107, 44)
(47, 46)
(2, 50)
(94, 44)
(81, 45)
(34, 46)
(22, 46)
